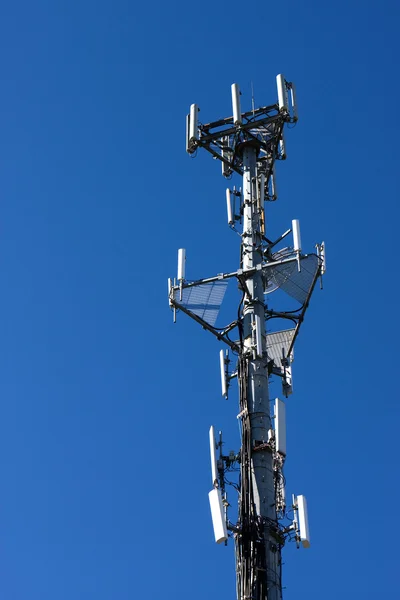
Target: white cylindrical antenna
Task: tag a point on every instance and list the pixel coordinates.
(213, 457)
(280, 426)
(224, 388)
(282, 146)
(237, 115)
(303, 521)
(187, 133)
(259, 348)
(293, 100)
(181, 264)
(193, 129)
(231, 220)
(274, 191)
(262, 189)
(282, 93)
(296, 235)
(218, 516)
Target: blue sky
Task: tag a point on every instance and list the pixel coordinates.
(105, 404)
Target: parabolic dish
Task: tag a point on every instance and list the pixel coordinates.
(288, 278)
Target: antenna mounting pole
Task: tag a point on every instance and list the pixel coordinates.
(257, 468)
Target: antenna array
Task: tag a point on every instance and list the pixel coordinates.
(249, 144)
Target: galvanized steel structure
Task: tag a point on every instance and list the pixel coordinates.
(249, 144)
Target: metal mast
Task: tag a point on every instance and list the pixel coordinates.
(249, 144)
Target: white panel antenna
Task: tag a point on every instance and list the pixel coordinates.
(296, 235)
(280, 426)
(294, 102)
(218, 516)
(303, 521)
(187, 133)
(237, 115)
(222, 363)
(282, 93)
(181, 264)
(259, 348)
(193, 124)
(229, 210)
(213, 456)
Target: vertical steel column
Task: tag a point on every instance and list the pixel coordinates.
(257, 387)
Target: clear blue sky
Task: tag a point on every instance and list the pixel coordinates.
(104, 403)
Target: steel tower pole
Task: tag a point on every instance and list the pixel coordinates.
(265, 579)
(258, 338)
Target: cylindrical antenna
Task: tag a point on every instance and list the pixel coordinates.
(193, 129)
(282, 93)
(224, 388)
(294, 101)
(213, 455)
(188, 134)
(274, 191)
(218, 516)
(181, 264)
(237, 115)
(231, 219)
(296, 235)
(259, 348)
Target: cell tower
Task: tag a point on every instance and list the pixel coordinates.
(258, 343)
